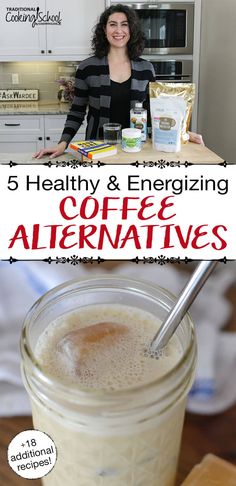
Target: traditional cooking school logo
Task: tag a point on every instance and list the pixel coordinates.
(32, 15)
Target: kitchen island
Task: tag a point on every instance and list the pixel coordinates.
(190, 152)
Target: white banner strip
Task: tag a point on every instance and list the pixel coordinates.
(117, 212)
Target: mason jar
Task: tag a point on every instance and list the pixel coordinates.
(128, 437)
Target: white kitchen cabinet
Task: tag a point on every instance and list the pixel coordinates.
(18, 36)
(30, 133)
(73, 38)
(63, 30)
(17, 145)
(21, 133)
(53, 126)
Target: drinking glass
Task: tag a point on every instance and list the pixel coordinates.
(128, 437)
(112, 133)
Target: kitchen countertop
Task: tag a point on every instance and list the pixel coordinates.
(34, 108)
(190, 152)
(26, 158)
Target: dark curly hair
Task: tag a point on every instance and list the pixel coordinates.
(135, 46)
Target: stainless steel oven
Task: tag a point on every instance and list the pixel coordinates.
(173, 70)
(168, 26)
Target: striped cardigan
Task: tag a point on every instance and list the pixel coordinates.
(93, 90)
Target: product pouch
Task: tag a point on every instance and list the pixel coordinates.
(185, 90)
(167, 120)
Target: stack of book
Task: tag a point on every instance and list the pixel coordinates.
(92, 150)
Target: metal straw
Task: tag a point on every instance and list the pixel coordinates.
(182, 305)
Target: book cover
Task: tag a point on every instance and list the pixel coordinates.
(93, 149)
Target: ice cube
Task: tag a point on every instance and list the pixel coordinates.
(79, 345)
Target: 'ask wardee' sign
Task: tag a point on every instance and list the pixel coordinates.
(19, 95)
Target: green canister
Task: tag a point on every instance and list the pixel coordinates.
(131, 140)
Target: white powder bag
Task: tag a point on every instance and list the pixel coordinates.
(159, 89)
(167, 114)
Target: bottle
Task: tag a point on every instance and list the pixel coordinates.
(138, 119)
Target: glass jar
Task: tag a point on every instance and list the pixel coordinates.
(117, 438)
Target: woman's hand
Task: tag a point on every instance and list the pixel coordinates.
(196, 138)
(53, 151)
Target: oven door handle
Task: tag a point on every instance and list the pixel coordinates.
(174, 77)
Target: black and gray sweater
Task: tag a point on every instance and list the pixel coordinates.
(93, 90)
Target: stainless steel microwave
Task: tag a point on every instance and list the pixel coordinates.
(168, 26)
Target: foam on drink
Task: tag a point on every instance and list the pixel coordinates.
(103, 347)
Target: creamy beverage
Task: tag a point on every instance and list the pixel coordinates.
(104, 348)
(114, 412)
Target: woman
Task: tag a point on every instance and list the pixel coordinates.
(110, 82)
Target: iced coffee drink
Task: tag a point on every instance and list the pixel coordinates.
(114, 411)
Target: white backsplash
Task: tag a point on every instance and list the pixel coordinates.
(36, 75)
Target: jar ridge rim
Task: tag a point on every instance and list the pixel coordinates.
(27, 353)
